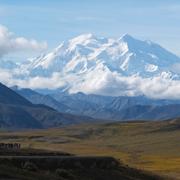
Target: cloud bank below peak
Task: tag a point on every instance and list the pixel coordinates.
(107, 84)
(10, 43)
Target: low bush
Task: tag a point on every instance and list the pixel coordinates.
(66, 174)
(30, 166)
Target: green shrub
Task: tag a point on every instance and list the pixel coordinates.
(30, 166)
(66, 174)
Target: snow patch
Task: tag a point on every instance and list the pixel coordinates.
(153, 56)
(151, 68)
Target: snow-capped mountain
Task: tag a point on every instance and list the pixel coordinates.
(105, 66)
(87, 53)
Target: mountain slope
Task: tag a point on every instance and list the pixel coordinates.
(7, 96)
(17, 117)
(17, 112)
(37, 98)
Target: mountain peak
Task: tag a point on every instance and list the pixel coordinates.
(127, 37)
(84, 37)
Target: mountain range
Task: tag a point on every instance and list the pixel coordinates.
(18, 112)
(106, 107)
(26, 108)
(93, 77)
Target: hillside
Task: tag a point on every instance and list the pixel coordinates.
(65, 167)
(17, 112)
(38, 98)
(7, 96)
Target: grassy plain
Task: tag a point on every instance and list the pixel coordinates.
(150, 146)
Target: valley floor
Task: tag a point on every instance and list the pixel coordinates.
(150, 146)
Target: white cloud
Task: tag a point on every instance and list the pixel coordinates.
(113, 84)
(102, 83)
(37, 82)
(10, 43)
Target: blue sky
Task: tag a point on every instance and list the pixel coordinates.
(57, 20)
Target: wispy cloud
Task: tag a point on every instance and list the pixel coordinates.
(9, 43)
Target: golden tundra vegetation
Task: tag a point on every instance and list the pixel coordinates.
(150, 146)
